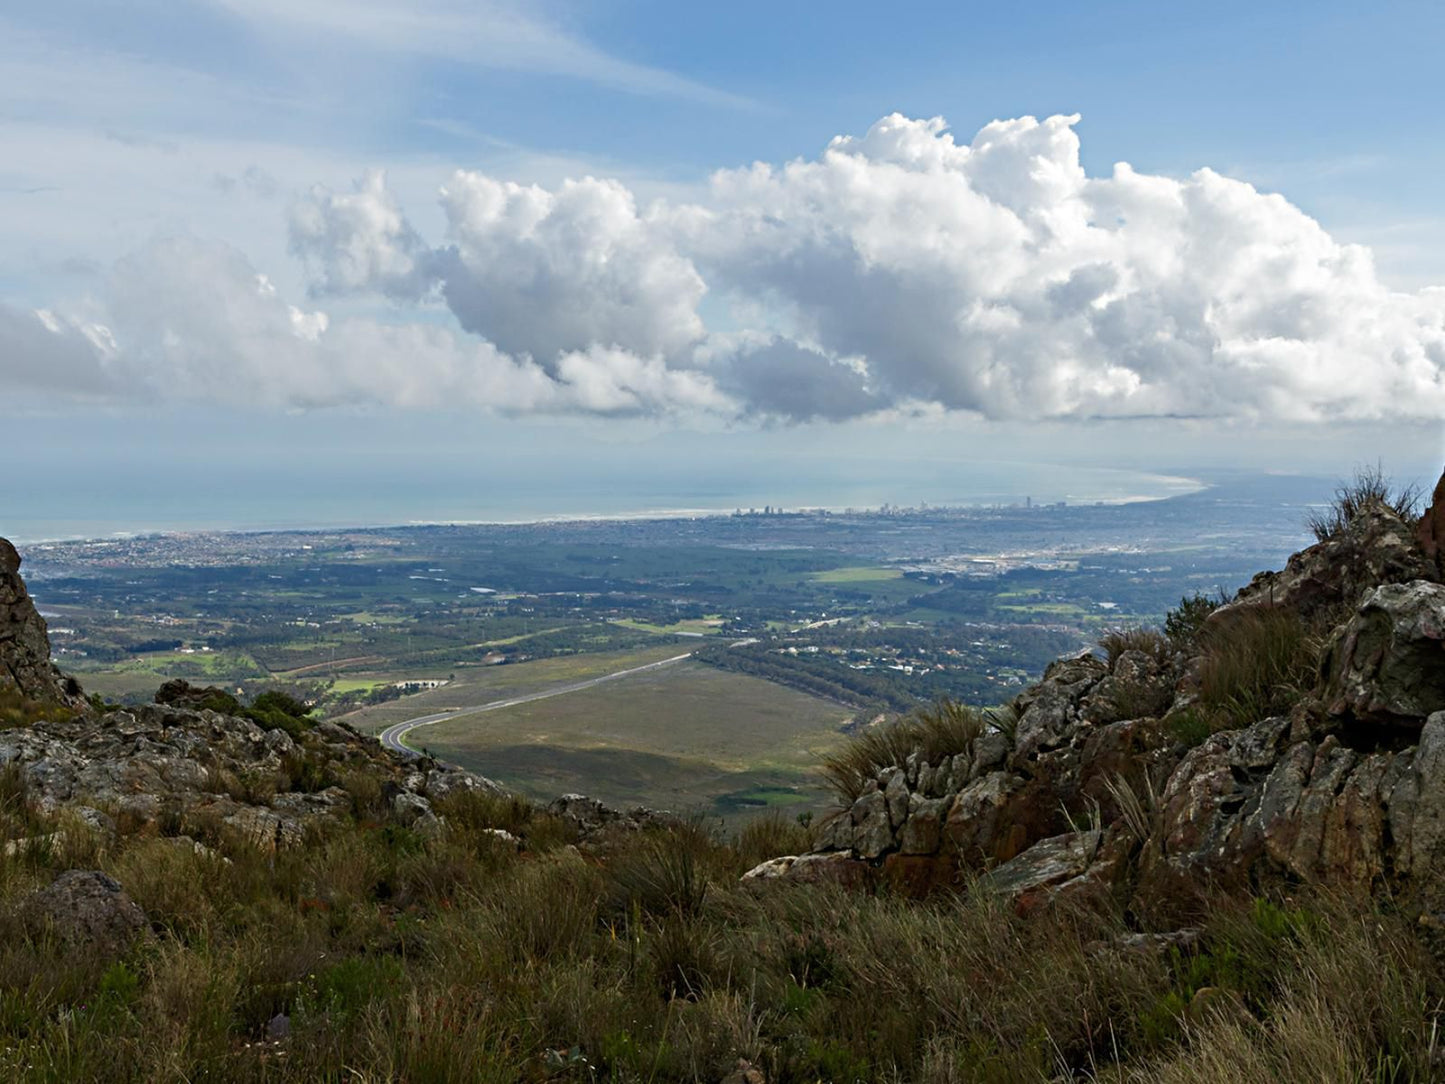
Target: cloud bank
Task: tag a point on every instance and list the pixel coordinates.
(900, 271)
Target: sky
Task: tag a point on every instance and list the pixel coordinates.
(639, 242)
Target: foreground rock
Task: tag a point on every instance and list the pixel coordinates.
(87, 909)
(197, 771)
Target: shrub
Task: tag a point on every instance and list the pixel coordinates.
(663, 872)
(1182, 624)
(1370, 488)
(1256, 664)
(946, 729)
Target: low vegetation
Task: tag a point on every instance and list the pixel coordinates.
(1370, 487)
(391, 956)
(946, 729)
(1256, 664)
(17, 710)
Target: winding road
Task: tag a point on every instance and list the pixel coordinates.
(394, 736)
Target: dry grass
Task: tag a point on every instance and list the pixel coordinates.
(401, 958)
(946, 729)
(1151, 642)
(1258, 661)
(1370, 488)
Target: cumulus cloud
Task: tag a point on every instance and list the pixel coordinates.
(897, 271)
(194, 320)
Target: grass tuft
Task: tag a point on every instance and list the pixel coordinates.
(946, 729)
(1258, 662)
(1370, 488)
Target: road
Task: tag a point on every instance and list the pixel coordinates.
(394, 736)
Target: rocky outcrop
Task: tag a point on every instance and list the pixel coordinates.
(25, 666)
(1377, 548)
(1100, 797)
(160, 763)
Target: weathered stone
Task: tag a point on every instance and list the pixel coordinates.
(1430, 531)
(922, 830)
(1387, 664)
(87, 908)
(835, 833)
(872, 827)
(990, 751)
(1037, 876)
(835, 868)
(406, 807)
(896, 794)
(1376, 547)
(25, 665)
(985, 821)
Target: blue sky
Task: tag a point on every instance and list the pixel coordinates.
(186, 225)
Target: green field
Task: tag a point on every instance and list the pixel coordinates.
(858, 574)
(475, 685)
(685, 737)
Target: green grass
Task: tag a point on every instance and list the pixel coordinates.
(682, 737)
(703, 625)
(858, 574)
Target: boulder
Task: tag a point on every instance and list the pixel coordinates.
(1049, 869)
(87, 908)
(1387, 663)
(834, 868)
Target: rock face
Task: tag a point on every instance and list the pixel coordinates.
(25, 665)
(1431, 531)
(157, 763)
(1388, 661)
(1095, 796)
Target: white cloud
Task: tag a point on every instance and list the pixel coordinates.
(899, 270)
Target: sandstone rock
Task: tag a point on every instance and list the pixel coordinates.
(896, 794)
(834, 868)
(1376, 548)
(1038, 875)
(922, 830)
(87, 908)
(872, 826)
(983, 823)
(1387, 664)
(1049, 712)
(407, 808)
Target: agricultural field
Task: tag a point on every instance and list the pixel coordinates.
(688, 737)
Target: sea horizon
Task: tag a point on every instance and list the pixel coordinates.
(144, 515)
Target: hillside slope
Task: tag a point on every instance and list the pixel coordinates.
(1212, 854)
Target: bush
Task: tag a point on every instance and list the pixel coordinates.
(946, 729)
(1370, 488)
(1183, 624)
